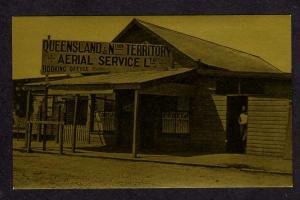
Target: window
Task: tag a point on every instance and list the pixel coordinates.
(175, 115)
(175, 122)
(169, 103)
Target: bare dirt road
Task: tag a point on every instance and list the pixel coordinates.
(38, 170)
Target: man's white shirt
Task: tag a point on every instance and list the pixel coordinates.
(243, 119)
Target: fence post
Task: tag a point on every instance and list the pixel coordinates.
(58, 127)
(38, 137)
(27, 118)
(29, 137)
(135, 123)
(116, 119)
(45, 114)
(61, 139)
(90, 113)
(74, 124)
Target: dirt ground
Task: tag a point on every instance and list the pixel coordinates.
(41, 170)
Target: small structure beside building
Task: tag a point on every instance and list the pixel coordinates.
(194, 105)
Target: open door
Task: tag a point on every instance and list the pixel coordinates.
(125, 105)
(149, 113)
(235, 105)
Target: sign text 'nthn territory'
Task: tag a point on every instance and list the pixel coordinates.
(65, 57)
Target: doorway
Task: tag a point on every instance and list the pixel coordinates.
(234, 137)
(149, 120)
(125, 104)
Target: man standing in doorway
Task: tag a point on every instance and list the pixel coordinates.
(243, 121)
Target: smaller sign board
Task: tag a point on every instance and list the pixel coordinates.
(65, 57)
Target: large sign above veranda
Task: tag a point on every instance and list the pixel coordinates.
(65, 57)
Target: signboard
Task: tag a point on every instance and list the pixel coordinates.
(65, 57)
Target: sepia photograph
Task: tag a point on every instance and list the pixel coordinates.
(185, 101)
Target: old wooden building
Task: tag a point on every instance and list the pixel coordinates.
(194, 105)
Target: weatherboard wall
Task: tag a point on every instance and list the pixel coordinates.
(268, 126)
(269, 123)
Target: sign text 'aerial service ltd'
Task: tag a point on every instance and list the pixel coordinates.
(64, 57)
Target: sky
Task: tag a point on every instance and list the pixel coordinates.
(267, 36)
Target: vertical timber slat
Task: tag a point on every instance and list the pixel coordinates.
(89, 117)
(135, 123)
(38, 137)
(45, 114)
(74, 125)
(29, 137)
(27, 117)
(60, 132)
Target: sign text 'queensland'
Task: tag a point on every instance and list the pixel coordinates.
(64, 57)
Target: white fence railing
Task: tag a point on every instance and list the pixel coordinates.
(175, 122)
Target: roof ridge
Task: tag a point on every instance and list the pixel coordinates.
(268, 63)
(195, 37)
(207, 41)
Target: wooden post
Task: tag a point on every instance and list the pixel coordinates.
(116, 119)
(58, 127)
(61, 139)
(60, 132)
(74, 124)
(45, 113)
(135, 123)
(90, 112)
(38, 137)
(27, 118)
(239, 86)
(29, 137)
(62, 128)
(45, 109)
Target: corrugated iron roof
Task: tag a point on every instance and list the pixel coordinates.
(209, 53)
(133, 77)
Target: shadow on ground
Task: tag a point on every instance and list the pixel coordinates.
(109, 149)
